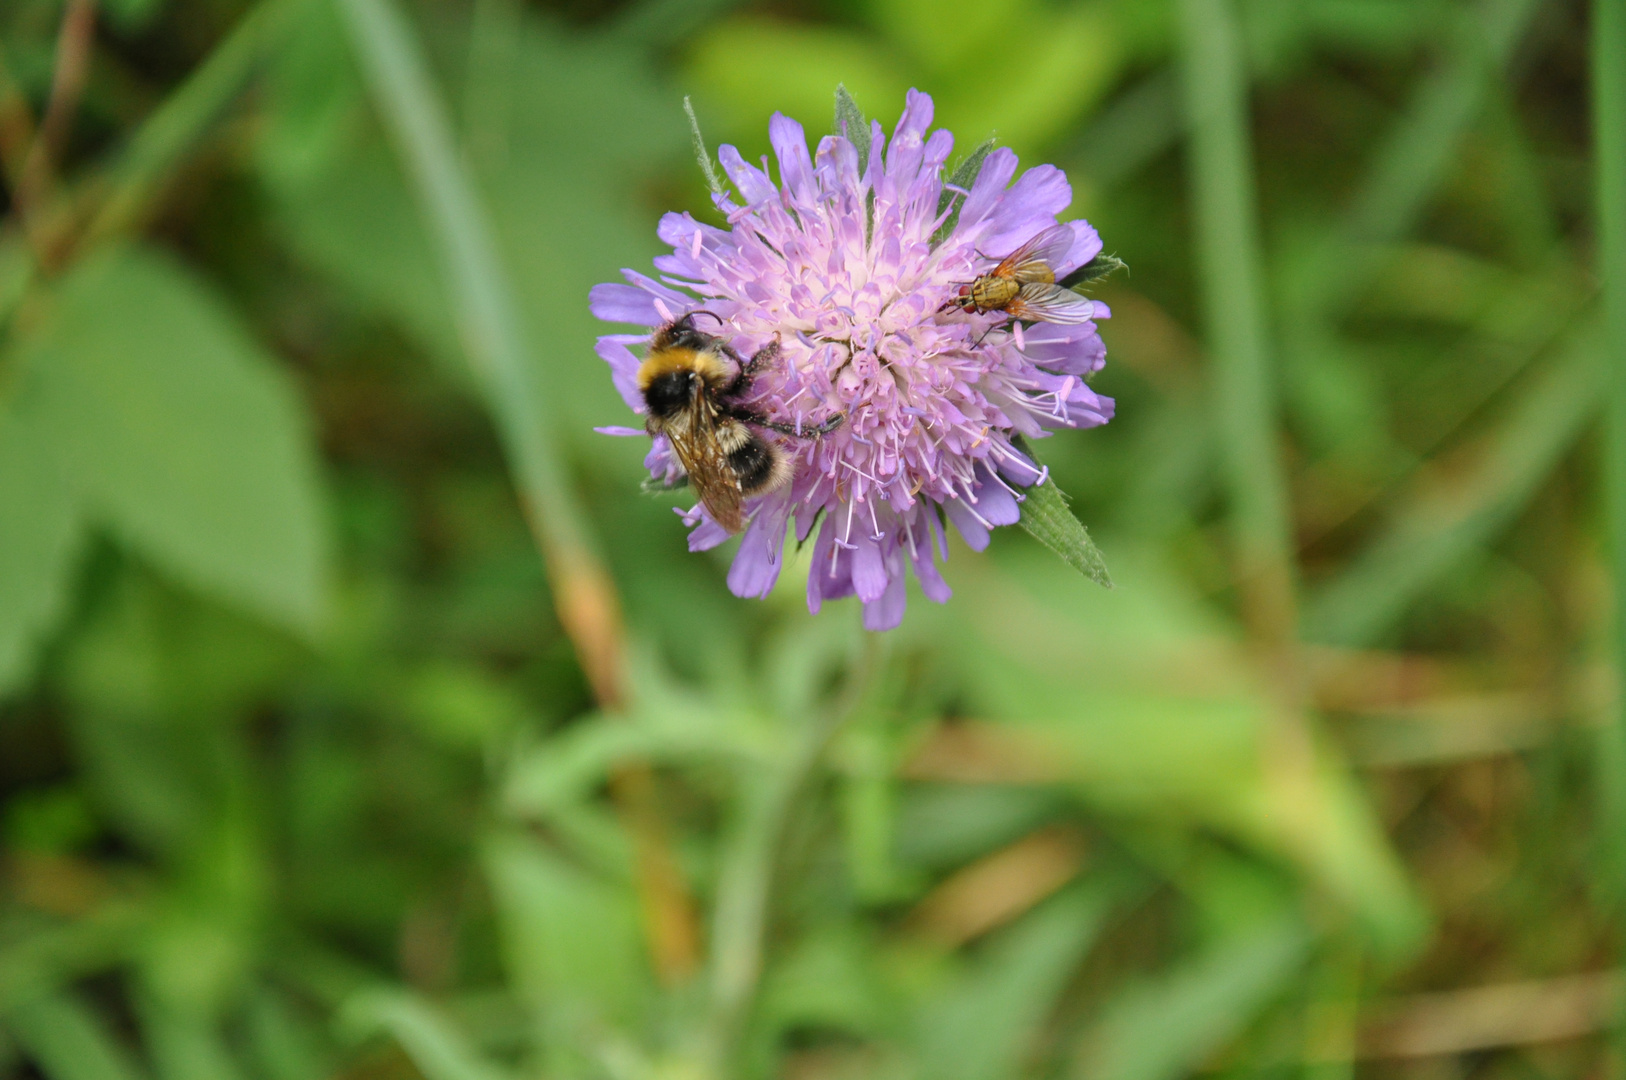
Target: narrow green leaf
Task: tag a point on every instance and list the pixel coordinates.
(185, 1044)
(42, 962)
(1423, 143)
(851, 123)
(1138, 126)
(1609, 138)
(981, 1026)
(1048, 519)
(67, 1040)
(964, 175)
(438, 1049)
(181, 433)
(1414, 156)
(39, 533)
(570, 939)
(282, 1043)
(1230, 260)
(1162, 1030)
(516, 386)
(1138, 745)
(1437, 525)
(17, 270)
(166, 139)
(701, 154)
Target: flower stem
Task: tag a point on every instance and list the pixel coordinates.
(484, 308)
(740, 919)
(584, 595)
(1228, 255)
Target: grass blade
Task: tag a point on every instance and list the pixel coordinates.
(1163, 1030)
(980, 1028)
(585, 597)
(399, 79)
(40, 963)
(1420, 148)
(1229, 257)
(1609, 146)
(175, 128)
(1415, 156)
(438, 1050)
(67, 1040)
(1437, 526)
(740, 913)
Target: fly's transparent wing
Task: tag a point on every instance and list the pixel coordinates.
(1035, 260)
(1043, 302)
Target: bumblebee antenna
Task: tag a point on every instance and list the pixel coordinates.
(689, 318)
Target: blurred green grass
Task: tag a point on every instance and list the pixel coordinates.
(300, 775)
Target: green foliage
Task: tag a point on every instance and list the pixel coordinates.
(303, 777)
(38, 538)
(69, 1041)
(173, 428)
(979, 1026)
(1166, 1028)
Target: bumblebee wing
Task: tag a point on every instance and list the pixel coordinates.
(1041, 302)
(697, 447)
(1033, 261)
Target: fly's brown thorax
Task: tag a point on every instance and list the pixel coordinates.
(992, 293)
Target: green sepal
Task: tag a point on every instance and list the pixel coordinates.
(964, 175)
(701, 154)
(1048, 519)
(851, 123)
(1097, 268)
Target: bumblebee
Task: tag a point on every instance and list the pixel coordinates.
(1023, 285)
(692, 383)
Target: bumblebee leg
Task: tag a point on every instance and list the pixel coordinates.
(805, 432)
(762, 357)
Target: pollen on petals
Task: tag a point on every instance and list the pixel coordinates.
(842, 268)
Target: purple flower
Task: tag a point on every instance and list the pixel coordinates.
(842, 266)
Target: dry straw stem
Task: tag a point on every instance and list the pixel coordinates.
(1000, 887)
(118, 201)
(74, 41)
(16, 125)
(1485, 1017)
(585, 597)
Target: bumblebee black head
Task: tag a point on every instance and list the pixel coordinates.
(682, 334)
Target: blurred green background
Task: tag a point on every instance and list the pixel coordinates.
(302, 777)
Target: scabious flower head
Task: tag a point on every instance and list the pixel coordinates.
(844, 265)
